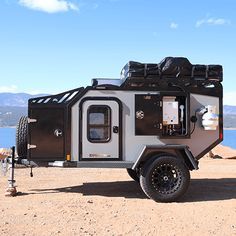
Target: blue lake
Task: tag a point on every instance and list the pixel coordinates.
(7, 137)
(230, 138)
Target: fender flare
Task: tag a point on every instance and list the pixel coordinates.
(178, 150)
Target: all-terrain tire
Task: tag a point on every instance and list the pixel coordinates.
(133, 174)
(165, 178)
(21, 137)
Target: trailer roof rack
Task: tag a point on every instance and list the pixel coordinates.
(58, 99)
(176, 69)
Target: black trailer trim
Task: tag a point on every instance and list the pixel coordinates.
(120, 157)
(69, 118)
(184, 84)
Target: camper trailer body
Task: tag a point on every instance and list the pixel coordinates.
(127, 123)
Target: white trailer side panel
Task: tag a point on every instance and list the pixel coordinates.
(133, 144)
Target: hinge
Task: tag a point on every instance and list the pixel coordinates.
(31, 146)
(31, 120)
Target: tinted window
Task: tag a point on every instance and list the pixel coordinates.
(99, 123)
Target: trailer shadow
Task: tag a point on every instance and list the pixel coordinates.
(210, 190)
(199, 190)
(127, 189)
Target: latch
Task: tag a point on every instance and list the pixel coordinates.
(115, 129)
(31, 146)
(31, 120)
(140, 114)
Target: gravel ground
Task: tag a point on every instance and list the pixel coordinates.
(107, 202)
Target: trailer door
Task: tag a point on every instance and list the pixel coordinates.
(47, 134)
(101, 130)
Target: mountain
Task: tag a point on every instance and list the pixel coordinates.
(229, 121)
(10, 115)
(229, 110)
(229, 116)
(16, 99)
(13, 106)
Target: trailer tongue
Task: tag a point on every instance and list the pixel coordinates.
(156, 121)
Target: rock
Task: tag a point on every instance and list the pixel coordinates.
(222, 152)
(5, 152)
(11, 192)
(211, 155)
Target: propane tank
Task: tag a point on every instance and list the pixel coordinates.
(210, 119)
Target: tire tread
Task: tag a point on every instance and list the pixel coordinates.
(150, 192)
(21, 137)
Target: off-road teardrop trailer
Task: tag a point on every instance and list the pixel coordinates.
(156, 121)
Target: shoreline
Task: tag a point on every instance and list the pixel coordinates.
(220, 144)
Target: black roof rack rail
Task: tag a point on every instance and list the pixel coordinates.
(58, 99)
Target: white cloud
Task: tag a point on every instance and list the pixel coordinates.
(229, 98)
(49, 6)
(8, 89)
(212, 21)
(174, 25)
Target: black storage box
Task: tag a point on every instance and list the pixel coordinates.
(177, 67)
(211, 72)
(137, 69)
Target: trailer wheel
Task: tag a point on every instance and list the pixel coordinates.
(165, 178)
(133, 174)
(21, 137)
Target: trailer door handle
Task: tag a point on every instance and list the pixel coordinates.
(58, 132)
(115, 129)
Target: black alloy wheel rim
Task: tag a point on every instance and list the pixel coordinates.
(166, 178)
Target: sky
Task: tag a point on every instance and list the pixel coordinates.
(50, 46)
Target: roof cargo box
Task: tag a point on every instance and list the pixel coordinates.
(137, 69)
(171, 67)
(175, 66)
(211, 72)
(215, 72)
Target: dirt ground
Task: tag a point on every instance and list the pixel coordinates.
(107, 202)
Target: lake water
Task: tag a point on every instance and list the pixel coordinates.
(230, 138)
(7, 137)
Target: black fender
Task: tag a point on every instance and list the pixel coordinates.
(181, 151)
